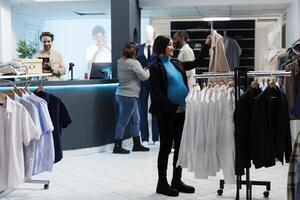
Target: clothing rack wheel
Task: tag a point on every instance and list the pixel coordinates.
(46, 186)
(266, 194)
(220, 191)
(45, 182)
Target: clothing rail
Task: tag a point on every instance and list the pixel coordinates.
(214, 74)
(17, 83)
(269, 73)
(25, 76)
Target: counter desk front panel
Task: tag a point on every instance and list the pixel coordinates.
(93, 109)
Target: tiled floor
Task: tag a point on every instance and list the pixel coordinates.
(105, 176)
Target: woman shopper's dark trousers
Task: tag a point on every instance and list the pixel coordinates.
(170, 129)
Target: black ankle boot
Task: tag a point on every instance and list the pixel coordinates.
(164, 188)
(118, 149)
(182, 187)
(178, 184)
(137, 145)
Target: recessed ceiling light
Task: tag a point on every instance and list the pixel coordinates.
(208, 19)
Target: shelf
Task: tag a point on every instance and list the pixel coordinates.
(26, 76)
(250, 58)
(197, 40)
(247, 48)
(244, 38)
(205, 30)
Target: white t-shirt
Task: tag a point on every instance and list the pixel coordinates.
(186, 53)
(16, 129)
(104, 55)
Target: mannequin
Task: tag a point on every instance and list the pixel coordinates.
(149, 34)
(273, 51)
(273, 48)
(146, 57)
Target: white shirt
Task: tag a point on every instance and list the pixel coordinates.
(146, 48)
(104, 55)
(186, 53)
(44, 155)
(16, 129)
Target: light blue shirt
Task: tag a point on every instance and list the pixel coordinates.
(44, 152)
(177, 90)
(29, 151)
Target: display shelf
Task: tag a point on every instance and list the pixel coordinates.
(243, 31)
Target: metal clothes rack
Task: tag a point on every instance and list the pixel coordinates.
(249, 183)
(242, 73)
(4, 82)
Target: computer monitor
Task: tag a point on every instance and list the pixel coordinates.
(101, 71)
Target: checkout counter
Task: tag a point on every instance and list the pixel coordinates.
(92, 106)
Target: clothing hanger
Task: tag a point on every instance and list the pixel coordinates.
(41, 88)
(272, 84)
(2, 97)
(230, 84)
(11, 94)
(254, 84)
(195, 84)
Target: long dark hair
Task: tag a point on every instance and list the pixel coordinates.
(160, 44)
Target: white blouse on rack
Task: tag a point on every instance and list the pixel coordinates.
(207, 144)
(16, 129)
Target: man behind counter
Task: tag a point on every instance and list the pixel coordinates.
(52, 60)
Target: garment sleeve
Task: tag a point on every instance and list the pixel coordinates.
(142, 74)
(60, 68)
(199, 61)
(156, 91)
(29, 130)
(65, 118)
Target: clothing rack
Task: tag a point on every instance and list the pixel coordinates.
(249, 183)
(4, 82)
(239, 74)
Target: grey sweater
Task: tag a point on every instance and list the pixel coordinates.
(130, 73)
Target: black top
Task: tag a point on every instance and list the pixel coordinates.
(270, 129)
(242, 122)
(262, 129)
(159, 82)
(60, 118)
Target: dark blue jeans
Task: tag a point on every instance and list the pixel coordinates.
(128, 113)
(143, 108)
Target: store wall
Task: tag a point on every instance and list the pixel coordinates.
(26, 28)
(73, 40)
(292, 23)
(5, 31)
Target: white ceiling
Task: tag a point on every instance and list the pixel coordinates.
(64, 8)
(154, 8)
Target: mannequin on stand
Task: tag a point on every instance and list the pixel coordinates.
(146, 58)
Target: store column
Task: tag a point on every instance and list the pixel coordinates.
(125, 26)
(5, 31)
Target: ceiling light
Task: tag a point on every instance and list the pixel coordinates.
(42, 1)
(209, 19)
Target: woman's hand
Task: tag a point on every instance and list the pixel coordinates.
(208, 40)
